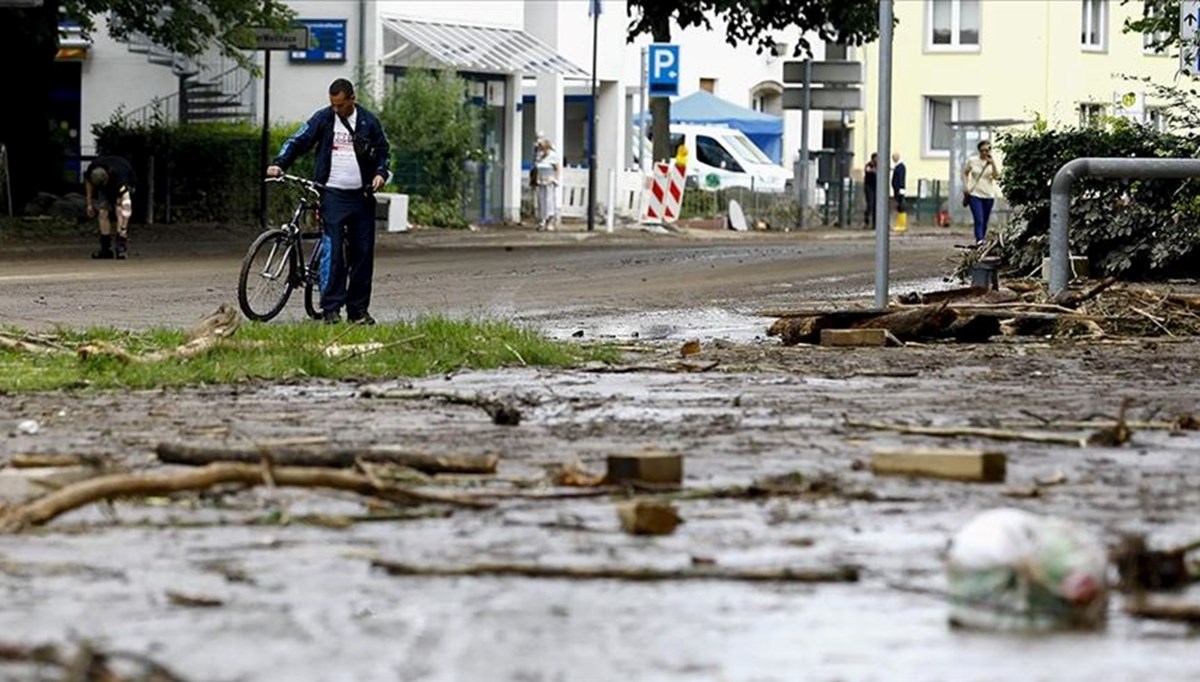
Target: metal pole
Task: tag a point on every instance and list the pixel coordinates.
(7, 178)
(591, 210)
(1060, 198)
(884, 145)
(150, 191)
(266, 132)
(612, 199)
(643, 154)
(804, 173)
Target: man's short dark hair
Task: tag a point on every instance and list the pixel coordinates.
(342, 86)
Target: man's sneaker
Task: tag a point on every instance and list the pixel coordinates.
(364, 319)
(331, 317)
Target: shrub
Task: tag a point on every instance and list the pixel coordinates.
(208, 172)
(1131, 228)
(433, 131)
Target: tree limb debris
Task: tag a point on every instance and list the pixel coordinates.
(89, 663)
(970, 431)
(45, 509)
(1179, 612)
(337, 457)
(1104, 308)
(835, 574)
(503, 411)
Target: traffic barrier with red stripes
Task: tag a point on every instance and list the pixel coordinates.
(664, 194)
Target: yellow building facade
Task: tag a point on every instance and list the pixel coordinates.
(1004, 60)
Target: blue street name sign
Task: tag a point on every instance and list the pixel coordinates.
(663, 80)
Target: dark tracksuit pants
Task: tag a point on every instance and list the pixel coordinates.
(347, 266)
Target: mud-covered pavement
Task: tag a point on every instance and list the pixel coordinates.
(302, 603)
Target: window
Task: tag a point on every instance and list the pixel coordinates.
(710, 153)
(1156, 119)
(709, 84)
(953, 25)
(940, 112)
(1154, 43)
(1091, 114)
(1094, 25)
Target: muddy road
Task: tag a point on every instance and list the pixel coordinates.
(301, 602)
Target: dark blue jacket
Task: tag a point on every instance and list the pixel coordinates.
(899, 178)
(374, 153)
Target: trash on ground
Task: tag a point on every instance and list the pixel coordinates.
(648, 517)
(956, 464)
(1008, 569)
(648, 466)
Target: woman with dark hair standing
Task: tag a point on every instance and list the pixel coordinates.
(979, 180)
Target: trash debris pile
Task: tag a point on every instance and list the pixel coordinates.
(1094, 310)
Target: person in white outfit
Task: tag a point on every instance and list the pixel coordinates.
(549, 174)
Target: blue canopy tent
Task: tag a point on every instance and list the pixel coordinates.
(704, 108)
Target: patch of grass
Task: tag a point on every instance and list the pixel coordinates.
(288, 351)
(21, 230)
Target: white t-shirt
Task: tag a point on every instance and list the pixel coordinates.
(343, 171)
(547, 164)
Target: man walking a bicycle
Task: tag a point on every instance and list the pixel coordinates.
(353, 161)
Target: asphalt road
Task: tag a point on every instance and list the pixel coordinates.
(500, 273)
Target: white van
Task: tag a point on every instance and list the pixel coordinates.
(720, 157)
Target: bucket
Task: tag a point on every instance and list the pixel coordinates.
(983, 275)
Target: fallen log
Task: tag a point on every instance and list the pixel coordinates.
(1179, 612)
(970, 431)
(906, 324)
(71, 497)
(337, 457)
(836, 574)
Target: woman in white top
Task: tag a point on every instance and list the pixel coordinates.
(549, 170)
(979, 178)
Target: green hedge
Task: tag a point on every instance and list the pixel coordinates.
(206, 172)
(1134, 229)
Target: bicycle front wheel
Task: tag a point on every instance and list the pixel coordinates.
(312, 282)
(268, 275)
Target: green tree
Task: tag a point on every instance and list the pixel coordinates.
(29, 38)
(749, 22)
(1159, 20)
(433, 131)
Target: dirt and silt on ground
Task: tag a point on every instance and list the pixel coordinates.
(300, 601)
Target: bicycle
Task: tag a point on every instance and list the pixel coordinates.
(275, 263)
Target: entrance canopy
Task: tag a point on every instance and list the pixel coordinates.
(467, 47)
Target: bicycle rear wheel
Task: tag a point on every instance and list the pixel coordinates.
(312, 282)
(267, 277)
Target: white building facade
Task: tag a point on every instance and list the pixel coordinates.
(528, 62)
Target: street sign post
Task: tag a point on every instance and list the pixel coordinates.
(1189, 27)
(263, 38)
(268, 40)
(839, 81)
(664, 70)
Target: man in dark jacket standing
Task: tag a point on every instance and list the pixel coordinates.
(352, 161)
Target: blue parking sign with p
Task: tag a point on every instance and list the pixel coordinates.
(663, 80)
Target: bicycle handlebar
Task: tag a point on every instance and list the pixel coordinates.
(310, 185)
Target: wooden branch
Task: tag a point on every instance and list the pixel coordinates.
(1180, 612)
(970, 431)
(1071, 299)
(44, 509)
(338, 457)
(836, 574)
(22, 346)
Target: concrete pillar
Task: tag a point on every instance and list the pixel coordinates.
(512, 149)
(610, 136)
(550, 107)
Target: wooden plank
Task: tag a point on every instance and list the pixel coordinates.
(647, 466)
(853, 337)
(958, 465)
